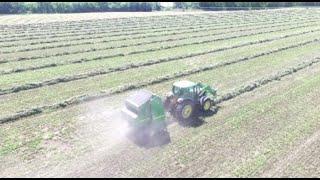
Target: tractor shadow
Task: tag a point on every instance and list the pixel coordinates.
(146, 142)
(199, 118)
(164, 138)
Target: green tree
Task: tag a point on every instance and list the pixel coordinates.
(12, 8)
(104, 6)
(61, 7)
(45, 7)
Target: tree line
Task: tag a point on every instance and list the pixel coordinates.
(75, 7)
(240, 5)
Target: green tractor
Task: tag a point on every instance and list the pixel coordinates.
(188, 99)
(146, 112)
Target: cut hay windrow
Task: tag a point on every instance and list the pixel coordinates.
(179, 28)
(161, 24)
(151, 42)
(107, 21)
(102, 35)
(258, 83)
(83, 23)
(117, 24)
(138, 26)
(95, 24)
(134, 21)
(147, 50)
(194, 25)
(128, 20)
(113, 33)
(200, 28)
(153, 25)
(84, 98)
(156, 61)
(114, 27)
(65, 79)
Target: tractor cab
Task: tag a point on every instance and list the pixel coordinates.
(185, 89)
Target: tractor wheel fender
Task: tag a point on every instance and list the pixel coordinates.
(202, 94)
(180, 100)
(203, 99)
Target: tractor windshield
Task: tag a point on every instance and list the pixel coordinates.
(176, 90)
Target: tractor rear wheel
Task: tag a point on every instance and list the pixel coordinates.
(185, 110)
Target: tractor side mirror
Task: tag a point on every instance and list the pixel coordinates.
(176, 90)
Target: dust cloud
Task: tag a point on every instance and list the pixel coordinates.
(102, 125)
(99, 129)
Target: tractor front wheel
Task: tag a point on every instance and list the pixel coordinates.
(185, 111)
(206, 104)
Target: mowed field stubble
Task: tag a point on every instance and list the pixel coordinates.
(63, 79)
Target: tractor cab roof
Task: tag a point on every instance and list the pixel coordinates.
(184, 84)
